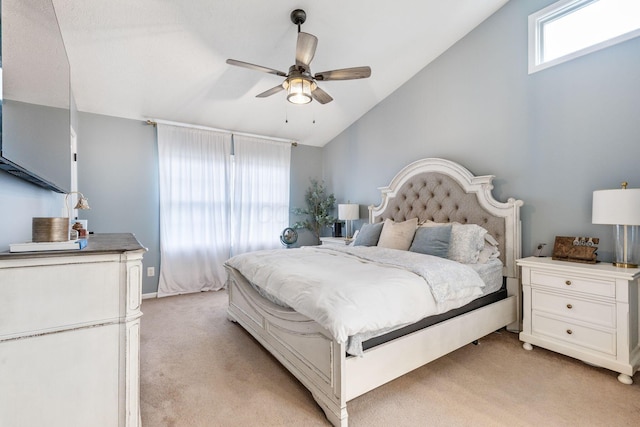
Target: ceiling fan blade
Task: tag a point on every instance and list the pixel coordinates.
(270, 91)
(321, 96)
(305, 49)
(344, 74)
(255, 67)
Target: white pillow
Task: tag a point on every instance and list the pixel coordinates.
(490, 239)
(398, 235)
(488, 252)
(467, 241)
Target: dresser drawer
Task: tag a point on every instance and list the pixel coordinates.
(568, 282)
(574, 308)
(39, 299)
(570, 333)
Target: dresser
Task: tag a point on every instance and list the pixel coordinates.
(586, 311)
(70, 335)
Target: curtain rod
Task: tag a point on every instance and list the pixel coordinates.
(154, 123)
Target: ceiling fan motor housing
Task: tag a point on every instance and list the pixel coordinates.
(298, 17)
(300, 85)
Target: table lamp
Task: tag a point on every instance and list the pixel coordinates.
(56, 229)
(348, 212)
(620, 208)
(83, 202)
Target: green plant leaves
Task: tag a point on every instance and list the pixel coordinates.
(320, 205)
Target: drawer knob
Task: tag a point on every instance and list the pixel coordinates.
(569, 331)
(568, 282)
(569, 306)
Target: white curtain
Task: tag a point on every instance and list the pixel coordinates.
(194, 168)
(214, 204)
(260, 207)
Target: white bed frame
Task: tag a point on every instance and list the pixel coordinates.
(322, 365)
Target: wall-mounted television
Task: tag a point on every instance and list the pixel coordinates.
(35, 132)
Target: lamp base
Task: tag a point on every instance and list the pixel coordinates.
(627, 246)
(624, 265)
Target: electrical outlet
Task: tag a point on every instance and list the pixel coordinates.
(151, 271)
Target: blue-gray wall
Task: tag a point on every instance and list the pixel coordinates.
(20, 201)
(118, 173)
(550, 138)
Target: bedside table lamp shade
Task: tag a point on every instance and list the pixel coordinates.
(348, 212)
(620, 208)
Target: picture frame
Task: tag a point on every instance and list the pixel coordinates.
(576, 249)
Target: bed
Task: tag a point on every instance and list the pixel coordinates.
(435, 191)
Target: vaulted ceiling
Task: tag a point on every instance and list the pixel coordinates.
(165, 59)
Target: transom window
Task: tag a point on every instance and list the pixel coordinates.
(571, 28)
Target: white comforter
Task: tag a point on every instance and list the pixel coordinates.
(356, 290)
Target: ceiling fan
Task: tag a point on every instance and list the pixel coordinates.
(300, 85)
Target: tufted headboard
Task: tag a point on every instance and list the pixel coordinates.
(443, 191)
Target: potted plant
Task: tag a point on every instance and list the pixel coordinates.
(319, 208)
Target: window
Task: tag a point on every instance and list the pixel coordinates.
(571, 28)
(214, 203)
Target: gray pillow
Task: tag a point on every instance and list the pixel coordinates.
(432, 241)
(368, 234)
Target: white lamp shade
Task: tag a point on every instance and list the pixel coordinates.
(348, 211)
(615, 207)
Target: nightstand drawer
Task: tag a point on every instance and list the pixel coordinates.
(572, 307)
(573, 334)
(574, 283)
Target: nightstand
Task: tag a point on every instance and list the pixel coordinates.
(335, 241)
(585, 311)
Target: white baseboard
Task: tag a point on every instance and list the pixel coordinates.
(150, 295)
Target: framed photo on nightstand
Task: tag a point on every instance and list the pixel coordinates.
(576, 249)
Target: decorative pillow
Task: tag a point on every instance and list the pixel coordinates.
(398, 235)
(368, 234)
(490, 239)
(467, 240)
(488, 252)
(432, 241)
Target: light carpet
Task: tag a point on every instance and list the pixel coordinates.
(200, 369)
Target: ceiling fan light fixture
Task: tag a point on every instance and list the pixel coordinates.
(299, 83)
(299, 90)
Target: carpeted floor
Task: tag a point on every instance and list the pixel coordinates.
(199, 369)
